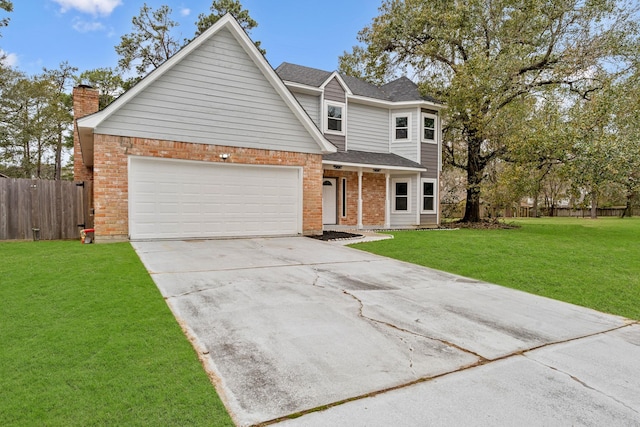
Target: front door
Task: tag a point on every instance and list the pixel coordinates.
(329, 197)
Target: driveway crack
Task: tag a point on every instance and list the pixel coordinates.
(583, 383)
(481, 359)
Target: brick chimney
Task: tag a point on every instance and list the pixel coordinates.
(85, 101)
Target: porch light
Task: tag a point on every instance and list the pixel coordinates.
(225, 156)
(337, 166)
(376, 170)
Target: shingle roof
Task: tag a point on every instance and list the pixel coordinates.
(372, 159)
(399, 90)
(303, 75)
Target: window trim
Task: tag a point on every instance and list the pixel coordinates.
(395, 128)
(435, 195)
(435, 128)
(325, 119)
(395, 181)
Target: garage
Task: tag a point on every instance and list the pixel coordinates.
(177, 199)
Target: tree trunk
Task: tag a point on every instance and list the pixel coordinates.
(594, 205)
(474, 179)
(58, 167)
(628, 209)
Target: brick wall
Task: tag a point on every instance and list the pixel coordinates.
(373, 197)
(111, 176)
(85, 101)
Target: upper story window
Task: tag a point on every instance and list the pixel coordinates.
(334, 117)
(429, 123)
(401, 127)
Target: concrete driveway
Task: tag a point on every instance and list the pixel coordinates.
(289, 325)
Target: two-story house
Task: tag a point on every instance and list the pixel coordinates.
(216, 143)
(386, 170)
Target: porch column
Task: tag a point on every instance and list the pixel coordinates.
(419, 199)
(359, 199)
(387, 201)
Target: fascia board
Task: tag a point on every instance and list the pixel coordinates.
(369, 166)
(302, 88)
(390, 104)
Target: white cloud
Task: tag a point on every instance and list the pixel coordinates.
(185, 11)
(8, 59)
(86, 26)
(94, 7)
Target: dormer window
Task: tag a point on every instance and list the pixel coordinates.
(334, 118)
(401, 126)
(429, 127)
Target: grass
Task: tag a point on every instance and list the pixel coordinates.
(87, 340)
(592, 263)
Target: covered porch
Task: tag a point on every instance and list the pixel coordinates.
(363, 190)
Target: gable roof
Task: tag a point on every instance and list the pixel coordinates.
(87, 124)
(399, 90)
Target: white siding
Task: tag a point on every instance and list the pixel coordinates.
(406, 219)
(368, 128)
(311, 105)
(216, 95)
(408, 149)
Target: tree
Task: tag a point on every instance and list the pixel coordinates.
(485, 58)
(34, 115)
(107, 80)
(595, 150)
(151, 43)
(219, 8)
(627, 124)
(7, 6)
(60, 108)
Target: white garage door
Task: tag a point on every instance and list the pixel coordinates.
(188, 199)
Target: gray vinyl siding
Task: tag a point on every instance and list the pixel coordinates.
(337, 140)
(333, 91)
(429, 159)
(368, 128)
(215, 95)
(405, 219)
(408, 149)
(428, 219)
(311, 105)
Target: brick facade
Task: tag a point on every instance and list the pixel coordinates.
(111, 176)
(85, 101)
(373, 197)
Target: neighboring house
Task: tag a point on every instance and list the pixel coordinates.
(213, 143)
(386, 171)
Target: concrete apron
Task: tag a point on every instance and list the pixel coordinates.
(288, 325)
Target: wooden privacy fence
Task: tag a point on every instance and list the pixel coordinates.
(43, 209)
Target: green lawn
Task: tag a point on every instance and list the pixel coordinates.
(593, 263)
(86, 339)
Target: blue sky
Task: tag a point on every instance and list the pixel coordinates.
(43, 33)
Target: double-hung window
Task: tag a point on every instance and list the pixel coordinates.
(401, 195)
(429, 194)
(334, 117)
(429, 123)
(401, 127)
